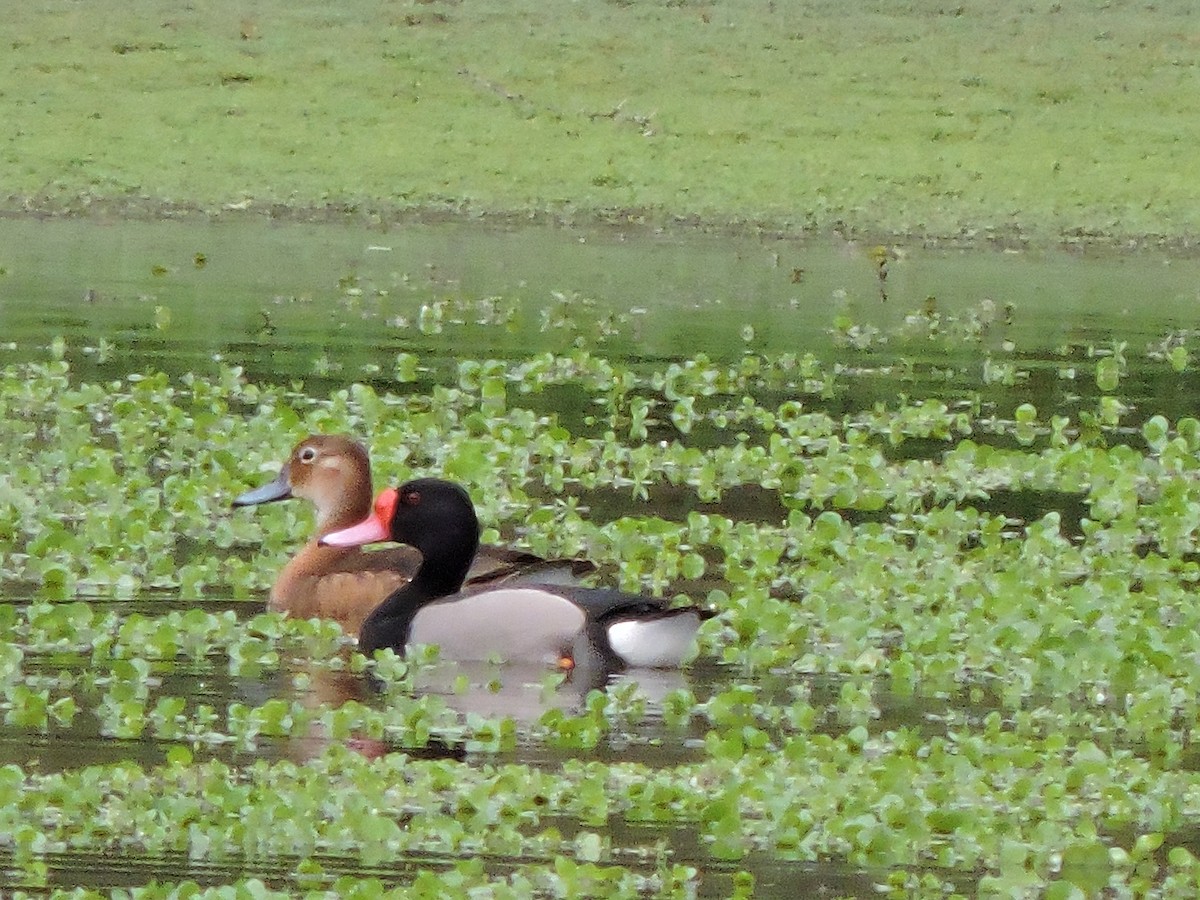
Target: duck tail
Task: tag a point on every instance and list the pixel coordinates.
(660, 641)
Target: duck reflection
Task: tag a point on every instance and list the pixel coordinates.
(471, 692)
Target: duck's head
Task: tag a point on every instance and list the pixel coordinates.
(427, 513)
(332, 471)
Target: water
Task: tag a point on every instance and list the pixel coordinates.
(328, 304)
(275, 297)
(649, 742)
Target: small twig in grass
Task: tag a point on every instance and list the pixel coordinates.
(526, 107)
(617, 114)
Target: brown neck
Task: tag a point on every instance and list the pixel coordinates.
(336, 516)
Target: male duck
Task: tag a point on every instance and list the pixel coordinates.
(560, 625)
(333, 472)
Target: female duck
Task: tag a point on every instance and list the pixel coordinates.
(554, 624)
(333, 472)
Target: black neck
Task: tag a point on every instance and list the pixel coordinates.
(389, 623)
(443, 570)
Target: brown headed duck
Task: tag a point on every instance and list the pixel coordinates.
(333, 472)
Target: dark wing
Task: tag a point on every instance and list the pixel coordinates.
(602, 604)
(493, 565)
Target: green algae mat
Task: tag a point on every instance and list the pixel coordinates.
(955, 651)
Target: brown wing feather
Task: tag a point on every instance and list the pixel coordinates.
(349, 597)
(346, 583)
(338, 583)
(494, 564)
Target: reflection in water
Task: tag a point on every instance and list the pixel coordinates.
(282, 316)
(522, 693)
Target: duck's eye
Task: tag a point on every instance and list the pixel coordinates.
(307, 455)
(411, 498)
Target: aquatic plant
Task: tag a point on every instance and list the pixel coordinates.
(954, 637)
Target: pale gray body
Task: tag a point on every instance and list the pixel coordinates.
(512, 623)
(535, 624)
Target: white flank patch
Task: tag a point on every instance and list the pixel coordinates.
(654, 643)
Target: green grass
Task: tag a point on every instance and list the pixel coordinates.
(925, 117)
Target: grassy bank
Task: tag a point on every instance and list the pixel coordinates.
(1047, 120)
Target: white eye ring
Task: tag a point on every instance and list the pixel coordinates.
(307, 455)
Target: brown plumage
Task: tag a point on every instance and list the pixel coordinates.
(333, 472)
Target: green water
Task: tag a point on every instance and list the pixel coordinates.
(328, 305)
(327, 286)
